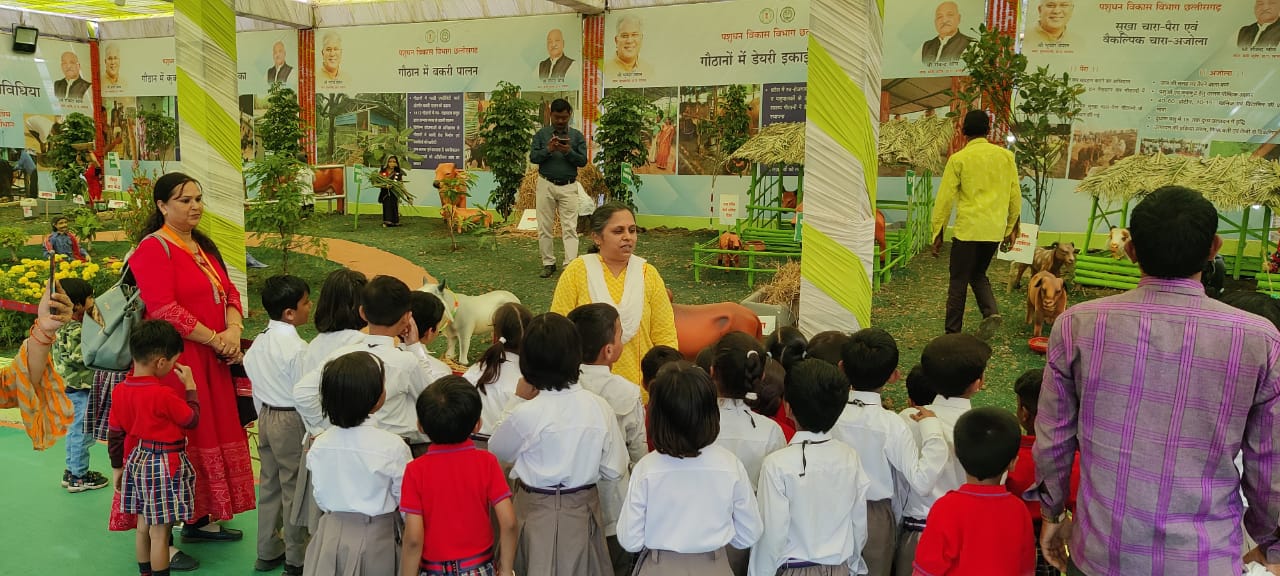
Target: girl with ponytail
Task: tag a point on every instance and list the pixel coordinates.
(498, 371)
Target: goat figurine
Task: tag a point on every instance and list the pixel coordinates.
(1046, 299)
(466, 316)
(1059, 258)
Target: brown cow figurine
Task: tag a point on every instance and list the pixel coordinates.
(1059, 258)
(701, 325)
(1046, 299)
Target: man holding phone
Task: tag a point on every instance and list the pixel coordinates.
(559, 151)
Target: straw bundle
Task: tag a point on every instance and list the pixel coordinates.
(919, 144)
(784, 288)
(589, 176)
(1229, 182)
(775, 144)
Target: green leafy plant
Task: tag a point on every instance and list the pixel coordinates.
(138, 204)
(733, 125)
(508, 125)
(454, 190)
(65, 155)
(276, 215)
(1037, 106)
(622, 131)
(280, 128)
(13, 238)
(161, 134)
(85, 223)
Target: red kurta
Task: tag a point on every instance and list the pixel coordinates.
(174, 288)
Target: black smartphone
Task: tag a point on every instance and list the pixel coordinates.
(53, 267)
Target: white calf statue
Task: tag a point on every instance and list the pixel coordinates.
(466, 316)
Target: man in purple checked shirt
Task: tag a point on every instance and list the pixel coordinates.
(1160, 388)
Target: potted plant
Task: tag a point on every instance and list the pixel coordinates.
(161, 134)
(508, 126)
(622, 131)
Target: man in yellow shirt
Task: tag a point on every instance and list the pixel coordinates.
(982, 181)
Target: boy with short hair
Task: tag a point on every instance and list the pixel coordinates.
(883, 441)
(919, 391)
(448, 492)
(275, 363)
(69, 363)
(812, 493)
(980, 528)
(427, 310)
(600, 331)
(827, 346)
(1022, 480)
(654, 360)
(954, 365)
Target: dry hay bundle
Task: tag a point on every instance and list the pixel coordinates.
(919, 144)
(1229, 182)
(589, 176)
(784, 288)
(781, 143)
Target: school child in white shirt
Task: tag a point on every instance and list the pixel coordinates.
(386, 308)
(919, 392)
(426, 310)
(600, 330)
(654, 360)
(884, 442)
(497, 372)
(737, 366)
(690, 499)
(274, 365)
(813, 493)
(954, 365)
(562, 440)
(357, 470)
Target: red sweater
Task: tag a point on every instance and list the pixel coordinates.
(978, 530)
(1024, 478)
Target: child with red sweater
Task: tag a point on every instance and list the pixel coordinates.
(980, 529)
(1023, 479)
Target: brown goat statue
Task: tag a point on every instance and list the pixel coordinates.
(1046, 299)
(1059, 258)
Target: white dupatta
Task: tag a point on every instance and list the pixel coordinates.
(631, 308)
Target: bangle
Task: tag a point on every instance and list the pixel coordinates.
(214, 335)
(237, 326)
(37, 338)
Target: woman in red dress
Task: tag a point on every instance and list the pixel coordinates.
(188, 286)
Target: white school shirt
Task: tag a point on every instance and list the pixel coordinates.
(274, 363)
(406, 378)
(562, 438)
(689, 505)
(624, 397)
(887, 447)
(748, 435)
(358, 469)
(952, 476)
(496, 394)
(813, 500)
(434, 367)
(319, 351)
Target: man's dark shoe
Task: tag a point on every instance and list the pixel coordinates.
(989, 326)
(291, 570)
(190, 534)
(183, 562)
(548, 271)
(268, 565)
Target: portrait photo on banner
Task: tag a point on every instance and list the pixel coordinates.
(928, 37)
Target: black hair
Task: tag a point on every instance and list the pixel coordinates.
(953, 362)
(552, 352)
(1172, 231)
(561, 105)
(976, 123)
(918, 388)
(684, 416)
(386, 164)
(53, 224)
(987, 440)
(869, 359)
(338, 307)
(770, 389)
(827, 346)
(786, 345)
(427, 310)
(384, 300)
(1253, 302)
(816, 392)
(77, 290)
(738, 365)
(597, 325)
(705, 358)
(165, 187)
(153, 338)
(448, 410)
(1027, 387)
(350, 387)
(654, 360)
(509, 322)
(283, 292)
(599, 219)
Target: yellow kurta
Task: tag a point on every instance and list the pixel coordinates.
(657, 325)
(46, 410)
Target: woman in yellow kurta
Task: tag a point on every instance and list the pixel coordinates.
(30, 382)
(616, 276)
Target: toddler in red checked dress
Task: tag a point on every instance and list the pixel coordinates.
(148, 422)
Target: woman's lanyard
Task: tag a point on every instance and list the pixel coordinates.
(203, 261)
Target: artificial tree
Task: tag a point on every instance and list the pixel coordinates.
(276, 214)
(161, 134)
(1037, 106)
(66, 149)
(622, 131)
(507, 127)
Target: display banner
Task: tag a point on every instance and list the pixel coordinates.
(138, 67)
(266, 57)
(37, 91)
(759, 45)
(926, 37)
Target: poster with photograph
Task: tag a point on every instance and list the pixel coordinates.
(138, 67)
(266, 57)
(926, 37)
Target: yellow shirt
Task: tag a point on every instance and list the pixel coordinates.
(657, 325)
(46, 410)
(983, 178)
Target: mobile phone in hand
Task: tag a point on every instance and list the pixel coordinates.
(53, 267)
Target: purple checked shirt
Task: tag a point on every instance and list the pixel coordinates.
(1160, 388)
